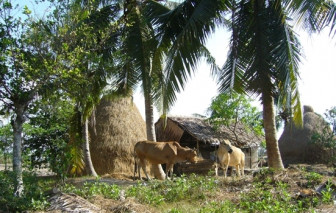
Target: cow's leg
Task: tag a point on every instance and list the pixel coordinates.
(238, 170)
(139, 170)
(168, 169)
(143, 165)
(242, 166)
(226, 169)
(216, 169)
(226, 165)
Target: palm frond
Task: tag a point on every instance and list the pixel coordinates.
(188, 26)
(313, 15)
(286, 52)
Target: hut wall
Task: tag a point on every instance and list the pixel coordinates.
(251, 157)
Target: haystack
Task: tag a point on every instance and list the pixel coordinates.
(118, 126)
(296, 145)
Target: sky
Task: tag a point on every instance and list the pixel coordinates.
(317, 83)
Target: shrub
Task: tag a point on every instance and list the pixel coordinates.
(33, 197)
(89, 190)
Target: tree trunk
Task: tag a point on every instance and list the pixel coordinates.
(150, 129)
(17, 123)
(273, 152)
(86, 150)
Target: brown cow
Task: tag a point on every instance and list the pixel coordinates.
(167, 153)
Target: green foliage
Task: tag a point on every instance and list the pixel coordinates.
(328, 193)
(47, 135)
(330, 116)
(199, 192)
(182, 188)
(33, 197)
(230, 108)
(6, 142)
(270, 198)
(89, 190)
(326, 138)
(313, 178)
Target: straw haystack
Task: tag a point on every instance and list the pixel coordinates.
(118, 126)
(296, 145)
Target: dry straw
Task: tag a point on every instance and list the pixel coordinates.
(118, 126)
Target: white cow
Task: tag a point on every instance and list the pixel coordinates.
(229, 155)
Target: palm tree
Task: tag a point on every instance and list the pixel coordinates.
(263, 59)
(140, 62)
(145, 57)
(88, 55)
(264, 50)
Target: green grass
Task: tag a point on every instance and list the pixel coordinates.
(33, 197)
(193, 193)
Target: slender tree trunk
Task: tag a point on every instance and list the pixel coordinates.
(6, 159)
(86, 150)
(150, 128)
(273, 152)
(17, 123)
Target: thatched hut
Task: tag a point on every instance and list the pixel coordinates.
(200, 134)
(118, 126)
(296, 144)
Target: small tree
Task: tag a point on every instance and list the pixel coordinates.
(6, 142)
(25, 71)
(47, 134)
(229, 109)
(327, 138)
(331, 118)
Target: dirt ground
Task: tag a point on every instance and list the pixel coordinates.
(229, 190)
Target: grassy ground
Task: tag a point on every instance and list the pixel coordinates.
(292, 190)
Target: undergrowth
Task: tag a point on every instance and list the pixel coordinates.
(33, 197)
(193, 193)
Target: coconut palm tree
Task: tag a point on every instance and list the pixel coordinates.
(264, 50)
(86, 51)
(151, 60)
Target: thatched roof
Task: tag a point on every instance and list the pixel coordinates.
(119, 126)
(203, 131)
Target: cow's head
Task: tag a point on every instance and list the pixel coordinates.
(227, 146)
(192, 155)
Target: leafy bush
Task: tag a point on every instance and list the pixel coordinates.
(33, 197)
(328, 193)
(181, 188)
(313, 178)
(267, 198)
(88, 190)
